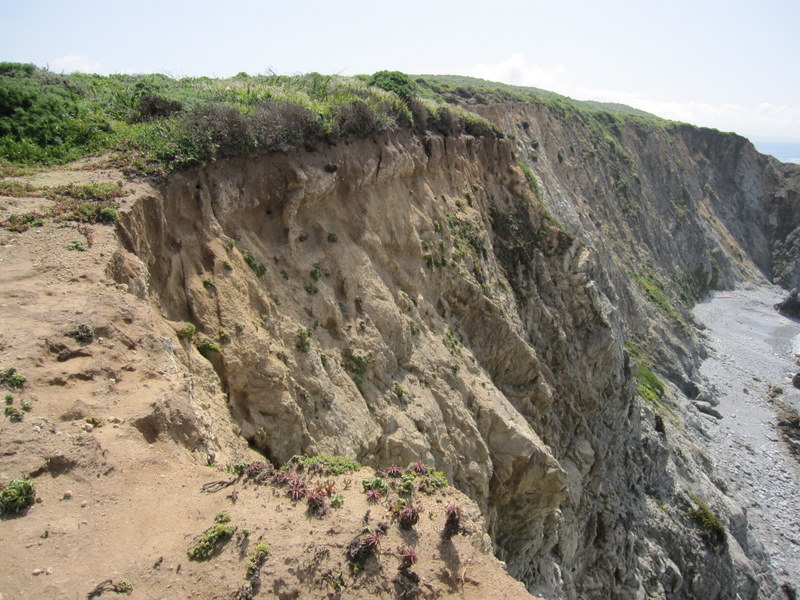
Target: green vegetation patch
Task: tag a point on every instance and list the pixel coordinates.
(12, 378)
(257, 559)
(323, 464)
(16, 496)
(207, 347)
(711, 529)
(156, 124)
(654, 289)
(212, 539)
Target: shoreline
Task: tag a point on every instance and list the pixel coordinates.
(751, 354)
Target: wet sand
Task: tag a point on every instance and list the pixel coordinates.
(752, 347)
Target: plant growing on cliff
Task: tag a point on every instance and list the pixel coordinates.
(16, 496)
(187, 331)
(711, 529)
(207, 347)
(258, 267)
(304, 340)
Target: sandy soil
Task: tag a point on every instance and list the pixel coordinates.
(119, 494)
(752, 355)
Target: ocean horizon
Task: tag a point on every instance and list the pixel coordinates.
(784, 151)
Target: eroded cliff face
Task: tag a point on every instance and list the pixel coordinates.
(407, 297)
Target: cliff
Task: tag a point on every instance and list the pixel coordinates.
(475, 302)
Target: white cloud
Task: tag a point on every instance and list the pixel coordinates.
(72, 63)
(515, 71)
(763, 120)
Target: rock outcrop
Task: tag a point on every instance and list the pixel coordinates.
(408, 297)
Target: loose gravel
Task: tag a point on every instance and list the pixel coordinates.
(752, 349)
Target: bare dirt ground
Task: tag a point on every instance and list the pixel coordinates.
(119, 495)
(751, 364)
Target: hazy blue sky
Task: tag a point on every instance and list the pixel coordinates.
(732, 65)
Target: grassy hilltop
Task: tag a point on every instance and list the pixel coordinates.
(157, 124)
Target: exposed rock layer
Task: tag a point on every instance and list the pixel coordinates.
(418, 303)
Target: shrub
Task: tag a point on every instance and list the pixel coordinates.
(13, 413)
(394, 81)
(258, 267)
(187, 331)
(18, 495)
(207, 347)
(12, 378)
(304, 340)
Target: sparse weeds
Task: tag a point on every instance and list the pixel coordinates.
(16, 496)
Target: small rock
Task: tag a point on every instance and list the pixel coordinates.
(84, 504)
(67, 495)
(37, 571)
(49, 571)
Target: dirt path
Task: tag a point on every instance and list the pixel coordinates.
(751, 355)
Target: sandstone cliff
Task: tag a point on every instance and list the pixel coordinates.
(409, 296)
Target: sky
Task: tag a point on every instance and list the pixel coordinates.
(730, 65)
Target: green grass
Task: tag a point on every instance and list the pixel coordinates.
(656, 293)
(158, 124)
(711, 529)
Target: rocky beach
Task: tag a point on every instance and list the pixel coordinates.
(751, 362)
